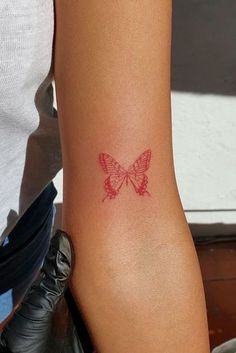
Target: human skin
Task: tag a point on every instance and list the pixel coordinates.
(136, 277)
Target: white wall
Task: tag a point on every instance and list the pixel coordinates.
(204, 110)
(204, 133)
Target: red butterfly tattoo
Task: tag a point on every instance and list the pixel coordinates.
(118, 174)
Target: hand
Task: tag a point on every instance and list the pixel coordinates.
(29, 330)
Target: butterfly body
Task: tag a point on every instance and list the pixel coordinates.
(117, 175)
(127, 179)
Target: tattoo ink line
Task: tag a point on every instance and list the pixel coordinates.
(117, 175)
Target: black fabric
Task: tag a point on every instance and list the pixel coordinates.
(28, 242)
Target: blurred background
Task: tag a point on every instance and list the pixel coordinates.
(204, 137)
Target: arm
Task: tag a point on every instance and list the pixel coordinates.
(136, 278)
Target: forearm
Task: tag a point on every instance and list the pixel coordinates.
(136, 277)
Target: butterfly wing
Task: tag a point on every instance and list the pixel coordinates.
(116, 173)
(136, 172)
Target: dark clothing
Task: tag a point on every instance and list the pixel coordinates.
(23, 251)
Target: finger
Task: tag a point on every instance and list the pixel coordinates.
(53, 280)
